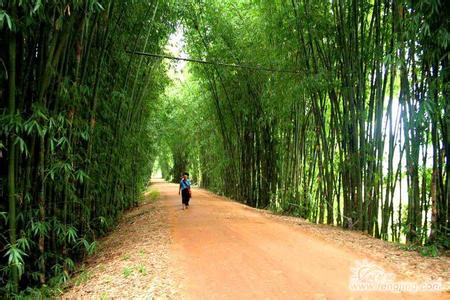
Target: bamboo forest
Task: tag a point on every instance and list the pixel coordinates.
(336, 112)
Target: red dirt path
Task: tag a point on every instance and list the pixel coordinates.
(225, 250)
(220, 249)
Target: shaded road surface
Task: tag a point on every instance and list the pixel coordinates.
(225, 250)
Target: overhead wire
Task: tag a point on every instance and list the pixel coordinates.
(214, 63)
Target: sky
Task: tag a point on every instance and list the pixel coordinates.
(176, 47)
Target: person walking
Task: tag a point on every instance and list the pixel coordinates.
(185, 190)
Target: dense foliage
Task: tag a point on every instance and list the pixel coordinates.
(357, 137)
(350, 127)
(77, 127)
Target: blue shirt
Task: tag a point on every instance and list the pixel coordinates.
(184, 184)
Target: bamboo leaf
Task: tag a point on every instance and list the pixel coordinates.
(4, 17)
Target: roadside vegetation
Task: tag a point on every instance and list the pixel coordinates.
(335, 111)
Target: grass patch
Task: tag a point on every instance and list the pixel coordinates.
(104, 296)
(43, 292)
(149, 195)
(127, 272)
(429, 250)
(141, 269)
(426, 251)
(141, 253)
(153, 195)
(126, 257)
(83, 277)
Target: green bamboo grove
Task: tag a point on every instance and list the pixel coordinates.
(77, 127)
(354, 134)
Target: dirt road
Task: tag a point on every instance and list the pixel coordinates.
(224, 250)
(220, 249)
